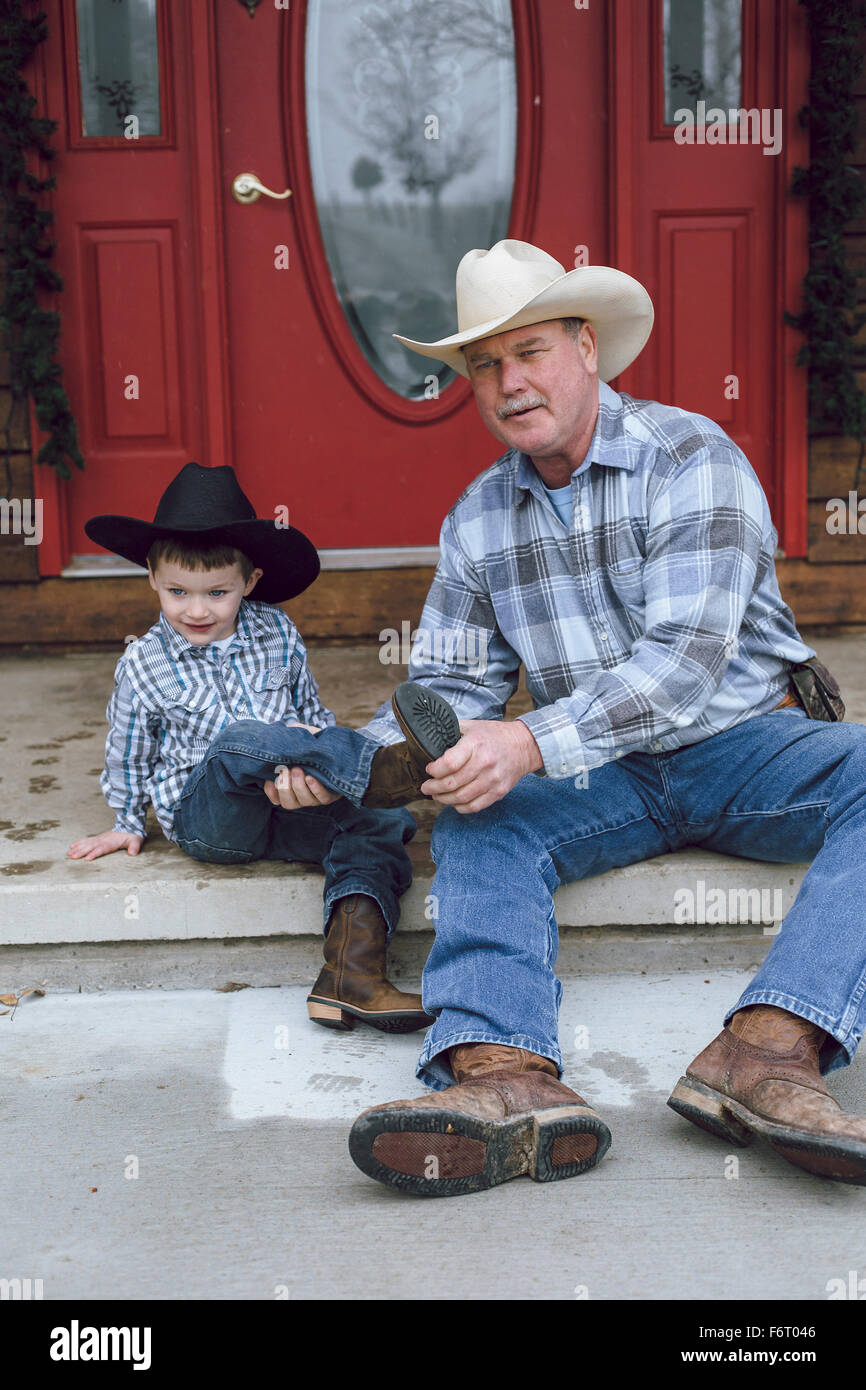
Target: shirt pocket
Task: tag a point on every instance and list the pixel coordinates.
(192, 717)
(272, 694)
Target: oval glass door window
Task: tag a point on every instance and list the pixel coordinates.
(412, 121)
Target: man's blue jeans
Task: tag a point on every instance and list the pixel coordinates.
(224, 817)
(777, 787)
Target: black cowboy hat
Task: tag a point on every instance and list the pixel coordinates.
(206, 506)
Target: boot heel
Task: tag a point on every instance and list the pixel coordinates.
(706, 1109)
(330, 1016)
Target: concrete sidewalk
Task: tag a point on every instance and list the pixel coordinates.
(192, 1145)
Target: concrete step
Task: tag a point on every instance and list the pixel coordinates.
(162, 919)
(96, 925)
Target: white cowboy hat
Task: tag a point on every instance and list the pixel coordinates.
(514, 284)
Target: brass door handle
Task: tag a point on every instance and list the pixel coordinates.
(247, 188)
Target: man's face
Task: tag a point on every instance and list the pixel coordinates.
(202, 605)
(536, 387)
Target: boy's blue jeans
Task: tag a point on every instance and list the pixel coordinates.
(777, 787)
(224, 817)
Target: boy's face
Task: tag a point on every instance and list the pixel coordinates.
(202, 605)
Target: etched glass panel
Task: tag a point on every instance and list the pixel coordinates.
(703, 57)
(411, 120)
(119, 66)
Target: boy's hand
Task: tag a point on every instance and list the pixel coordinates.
(93, 846)
(295, 789)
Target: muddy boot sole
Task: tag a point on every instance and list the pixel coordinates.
(841, 1159)
(331, 1013)
(446, 1153)
(426, 717)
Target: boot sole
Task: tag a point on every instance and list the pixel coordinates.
(445, 1153)
(426, 717)
(844, 1160)
(329, 1014)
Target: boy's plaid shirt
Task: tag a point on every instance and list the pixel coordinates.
(654, 621)
(172, 698)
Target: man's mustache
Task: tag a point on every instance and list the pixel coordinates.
(522, 403)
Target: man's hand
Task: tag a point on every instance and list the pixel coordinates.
(489, 759)
(93, 846)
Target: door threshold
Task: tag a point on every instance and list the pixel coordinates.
(367, 558)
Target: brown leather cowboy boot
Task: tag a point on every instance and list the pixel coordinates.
(761, 1076)
(352, 983)
(508, 1114)
(430, 726)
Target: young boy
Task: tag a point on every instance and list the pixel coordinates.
(216, 701)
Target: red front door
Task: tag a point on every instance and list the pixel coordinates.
(259, 333)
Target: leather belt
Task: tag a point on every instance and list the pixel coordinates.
(788, 701)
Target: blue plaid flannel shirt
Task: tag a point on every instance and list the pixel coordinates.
(171, 699)
(654, 620)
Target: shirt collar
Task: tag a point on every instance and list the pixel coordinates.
(609, 445)
(178, 645)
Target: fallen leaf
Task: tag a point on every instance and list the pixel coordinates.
(229, 987)
(15, 999)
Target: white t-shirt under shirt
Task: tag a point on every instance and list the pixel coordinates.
(561, 497)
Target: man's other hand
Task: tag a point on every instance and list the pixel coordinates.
(484, 765)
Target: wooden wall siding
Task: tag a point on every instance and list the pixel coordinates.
(352, 605)
(341, 603)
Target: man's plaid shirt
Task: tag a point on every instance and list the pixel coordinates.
(653, 621)
(171, 699)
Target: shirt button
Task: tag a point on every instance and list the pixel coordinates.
(604, 634)
(619, 752)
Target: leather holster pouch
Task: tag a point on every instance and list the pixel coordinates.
(817, 690)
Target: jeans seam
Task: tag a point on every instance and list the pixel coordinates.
(603, 830)
(800, 806)
(217, 849)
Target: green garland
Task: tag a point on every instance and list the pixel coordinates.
(835, 191)
(31, 333)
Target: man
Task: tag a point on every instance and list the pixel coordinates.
(622, 551)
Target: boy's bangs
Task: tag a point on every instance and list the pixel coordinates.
(193, 557)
